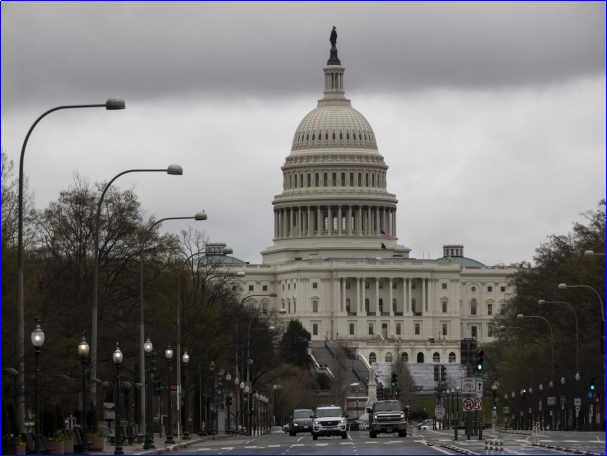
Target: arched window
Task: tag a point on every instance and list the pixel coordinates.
(360, 180)
(343, 179)
(367, 180)
(373, 181)
(473, 307)
(389, 358)
(302, 181)
(341, 136)
(326, 180)
(334, 179)
(309, 180)
(308, 137)
(367, 305)
(317, 180)
(333, 136)
(372, 358)
(404, 358)
(436, 358)
(351, 179)
(354, 136)
(314, 137)
(335, 222)
(348, 136)
(348, 305)
(296, 181)
(421, 358)
(381, 306)
(326, 223)
(327, 137)
(291, 182)
(394, 305)
(264, 308)
(452, 358)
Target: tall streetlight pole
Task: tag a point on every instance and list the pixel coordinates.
(276, 388)
(118, 362)
(149, 437)
(356, 386)
(172, 170)
(83, 351)
(38, 341)
(186, 424)
(200, 216)
(229, 380)
(564, 286)
(112, 104)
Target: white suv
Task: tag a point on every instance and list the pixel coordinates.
(329, 421)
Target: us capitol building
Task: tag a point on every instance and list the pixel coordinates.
(336, 263)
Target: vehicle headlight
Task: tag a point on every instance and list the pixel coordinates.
(296, 425)
(342, 422)
(316, 423)
(375, 417)
(402, 417)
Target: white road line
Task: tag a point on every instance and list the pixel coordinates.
(347, 444)
(297, 446)
(251, 448)
(273, 446)
(322, 444)
(227, 449)
(300, 439)
(371, 443)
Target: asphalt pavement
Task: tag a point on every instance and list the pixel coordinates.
(427, 443)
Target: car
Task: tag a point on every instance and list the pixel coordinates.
(277, 430)
(387, 417)
(329, 421)
(301, 421)
(426, 425)
(353, 426)
(241, 430)
(363, 426)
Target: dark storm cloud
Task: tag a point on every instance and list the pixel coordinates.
(66, 51)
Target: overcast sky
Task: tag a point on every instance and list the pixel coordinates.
(491, 116)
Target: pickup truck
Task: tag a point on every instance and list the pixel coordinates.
(387, 417)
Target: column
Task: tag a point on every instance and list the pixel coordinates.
(377, 219)
(377, 296)
(278, 223)
(359, 224)
(410, 297)
(338, 303)
(391, 297)
(404, 304)
(344, 297)
(330, 220)
(319, 222)
(394, 223)
(424, 303)
(369, 221)
(310, 217)
(358, 304)
(349, 225)
(339, 221)
(290, 233)
(363, 293)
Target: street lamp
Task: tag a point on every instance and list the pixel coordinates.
(38, 342)
(592, 254)
(228, 399)
(356, 386)
(83, 352)
(118, 357)
(276, 388)
(112, 104)
(200, 216)
(149, 437)
(169, 432)
(186, 425)
(172, 170)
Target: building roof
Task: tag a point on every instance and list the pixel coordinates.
(463, 261)
(220, 260)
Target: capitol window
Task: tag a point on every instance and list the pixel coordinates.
(343, 179)
(352, 329)
(360, 180)
(404, 357)
(445, 307)
(354, 136)
(317, 180)
(445, 330)
(436, 358)
(326, 180)
(389, 358)
(444, 286)
(371, 330)
(314, 137)
(372, 356)
(503, 289)
(348, 136)
(489, 289)
(367, 285)
(367, 305)
(351, 179)
(473, 307)
(327, 137)
(418, 329)
(490, 309)
(309, 180)
(315, 285)
(373, 181)
(394, 305)
(315, 329)
(334, 136)
(295, 181)
(452, 358)
(474, 332)
(314, 306)
(341, 136)
(367, 180)
(399, 329)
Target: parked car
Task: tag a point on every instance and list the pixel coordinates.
(241, 430)
(353, 425)
(363, 426)
(277, 430)
(425, 425)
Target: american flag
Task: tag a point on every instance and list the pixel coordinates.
(385, 235)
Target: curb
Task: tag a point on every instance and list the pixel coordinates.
(458, 450)
(180, 446)
(566, 450)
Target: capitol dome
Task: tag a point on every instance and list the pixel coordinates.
(334, 126)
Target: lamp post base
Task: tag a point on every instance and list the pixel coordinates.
(149, 444)
(170, 440)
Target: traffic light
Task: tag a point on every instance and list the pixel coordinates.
(394, 380)
(437, 373)
(524, 394)
(495, 400)
(598, 398)
(443, 373)
(480, 361)
(592, 387)
(253, 410)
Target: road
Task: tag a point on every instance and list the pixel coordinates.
(428, 443)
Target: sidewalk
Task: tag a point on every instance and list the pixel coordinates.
(161, 448)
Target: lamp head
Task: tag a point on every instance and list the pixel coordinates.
(563, 286)
(118, 357)
(212, 366)
(520, 316)
(115, 104)
(589, 254)
(83, 348)
(578, 377)
(186, 358)
(563, 381)
(37, 335)
(242, 385)
(175, 170)
(148, 347)
(551, 384)
(169, 353)
(541, 387)
(541, 302)
(229, 377)
(241, 274)
(200, 216)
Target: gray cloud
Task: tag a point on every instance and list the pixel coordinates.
(56, 52)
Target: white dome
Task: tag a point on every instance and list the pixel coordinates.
(334, 126)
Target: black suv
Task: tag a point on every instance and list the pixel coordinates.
(387, 417)
(301, 421)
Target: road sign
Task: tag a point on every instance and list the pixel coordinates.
(577, 402)
(591, 398)
(479, 388)
(563, 399)
(468, 385)
(468, 405)
(578, 409)
(439, 404)
(439, 412)
(506, 410)
(551, 401)
(478, 405)
(494, 415)
(174, 389)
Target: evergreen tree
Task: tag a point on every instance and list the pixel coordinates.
(294, 344)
